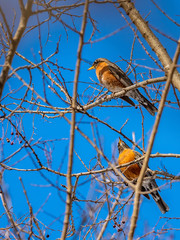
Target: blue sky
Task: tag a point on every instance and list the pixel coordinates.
(114, 48)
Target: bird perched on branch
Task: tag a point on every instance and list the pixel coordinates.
(114, 79)
(131, 172)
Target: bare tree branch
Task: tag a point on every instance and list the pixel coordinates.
(73, 123)
(151, 39)
(47, 96)
(14, 43)
(8, 212)
(150, 145)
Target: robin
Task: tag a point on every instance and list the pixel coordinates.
(127, 155)
(114, 79)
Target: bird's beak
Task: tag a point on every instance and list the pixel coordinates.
(91, 68)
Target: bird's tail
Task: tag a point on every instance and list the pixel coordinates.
(150, 185)
(146, 104)
(160, 202)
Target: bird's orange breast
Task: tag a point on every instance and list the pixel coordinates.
(131, 172)
(106, 77)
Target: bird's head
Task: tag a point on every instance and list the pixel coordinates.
(122, 146)
(97, 61)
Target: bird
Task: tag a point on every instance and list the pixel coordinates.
(127, 155)
(112, 77)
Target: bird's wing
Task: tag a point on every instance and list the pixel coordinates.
(148, 171)
(125, 80)
(149, 182)
(120, 75)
